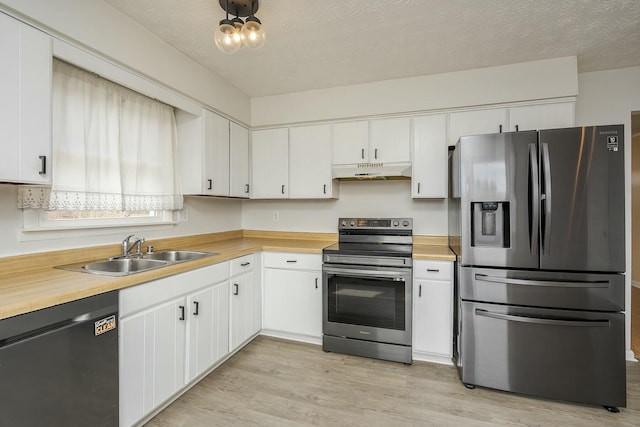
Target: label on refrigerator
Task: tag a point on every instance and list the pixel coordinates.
(105, 325)
(612, 143)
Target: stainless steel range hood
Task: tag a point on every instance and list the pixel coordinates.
(368, 171)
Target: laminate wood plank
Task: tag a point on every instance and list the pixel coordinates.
(274, 382)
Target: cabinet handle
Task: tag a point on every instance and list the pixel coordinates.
(210, 181)
(418, 188)
(316, 283)
(181, 312)
(375, 154)
(292, 260)
(43, 165)
(282, 188)
(236, 290)
(433, 270)
(500, 127)
(246, 189)
(197, 304)
(244, 264)
(419, 291)
(517, 130)
(362, 155)
(324, 188)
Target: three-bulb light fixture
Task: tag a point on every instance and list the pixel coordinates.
(234, 33)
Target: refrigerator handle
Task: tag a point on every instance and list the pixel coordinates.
(534, 200)
(542, 320)
(546, 199)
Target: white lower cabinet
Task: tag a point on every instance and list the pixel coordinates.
(293, 295)
(166, 339)
(152, 360)
(245, 301)
(208, 328)
(433, 310)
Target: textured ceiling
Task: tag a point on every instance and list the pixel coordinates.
(314, 44)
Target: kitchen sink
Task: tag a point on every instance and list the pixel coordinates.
(123, 266)
(177, 256)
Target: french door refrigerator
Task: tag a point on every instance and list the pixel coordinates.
(537, 223)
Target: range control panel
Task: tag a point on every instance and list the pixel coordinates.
(376, 223)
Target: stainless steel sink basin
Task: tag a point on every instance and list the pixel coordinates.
(177, 256)
(123, 266)
(129, 265)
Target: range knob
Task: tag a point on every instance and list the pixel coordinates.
(395, 223)
(344, 223)
(405, 223)
(352, 223)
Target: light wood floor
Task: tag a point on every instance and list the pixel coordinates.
(274, 382)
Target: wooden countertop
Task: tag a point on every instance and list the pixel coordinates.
(30, 282)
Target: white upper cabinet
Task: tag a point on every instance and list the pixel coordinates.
(25, 104)
(429, 163)
(310, 162)
(373, 141)
(476, 122)
(239, 161)
(203, 144)
(270, 164)
(543, 116)
(350, 142)
(216, 155)
(389, 140)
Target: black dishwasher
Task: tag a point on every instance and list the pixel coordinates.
(59, 366)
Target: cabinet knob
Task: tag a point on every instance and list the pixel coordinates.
(375, 154)
(181, 312)
(210, 187)
(362, 155)
(517, 128)
(197, 309)
(282, 188)
(236, 289)
(43, 165)
(419, 291)
(418, 188)
(324, 188)
(316, 283)
(244, 264)
(246, 190)
(500, 127)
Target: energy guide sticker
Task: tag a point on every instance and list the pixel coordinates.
(105, 325)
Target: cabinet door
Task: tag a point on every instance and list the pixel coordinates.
(25, 104)
(350, 143)
(243, 295)
(152, 349)
(208, 312)
(216, 155)
(390, 140)
(544, 116)
(239, 161)
(433, 317)
(476, 122)
(270, 164)
(293, 302)
(310, 162)
(429, 164)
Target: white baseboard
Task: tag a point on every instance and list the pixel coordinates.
(630, 356)
(433, 358)
(293, 337)
(635, 284)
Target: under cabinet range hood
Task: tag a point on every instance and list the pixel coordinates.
(368, 171)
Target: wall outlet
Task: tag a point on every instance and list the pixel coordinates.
(276, 216)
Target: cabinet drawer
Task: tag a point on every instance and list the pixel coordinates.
(241, 264)
(433, 270)
(293, 261)
(140, 297)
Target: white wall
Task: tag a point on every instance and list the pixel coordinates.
(97, 25)
(609, 97)
(551, 78)
(357, 199)
(205, 215)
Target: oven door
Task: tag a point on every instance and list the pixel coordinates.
(367, 302)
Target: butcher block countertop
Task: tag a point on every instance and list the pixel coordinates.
(30, 282)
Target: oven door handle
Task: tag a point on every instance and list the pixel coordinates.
(396, 276)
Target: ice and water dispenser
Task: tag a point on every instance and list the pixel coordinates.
(490, 224)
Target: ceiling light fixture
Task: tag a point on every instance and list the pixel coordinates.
(232, 34)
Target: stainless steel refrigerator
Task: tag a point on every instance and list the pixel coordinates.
(536, 219)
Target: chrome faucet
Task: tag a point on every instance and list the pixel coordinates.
(126, 246)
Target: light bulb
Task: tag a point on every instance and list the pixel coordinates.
(253, 34)
(227, 38)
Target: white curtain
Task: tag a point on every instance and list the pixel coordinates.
(113, 148)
